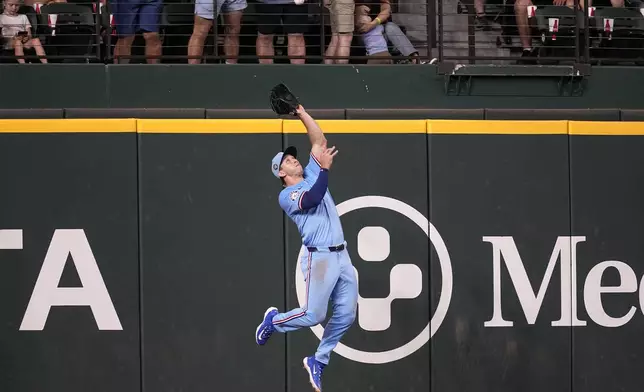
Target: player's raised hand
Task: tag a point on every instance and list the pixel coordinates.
(326, 157)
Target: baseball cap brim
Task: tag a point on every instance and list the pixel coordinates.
(291, 150)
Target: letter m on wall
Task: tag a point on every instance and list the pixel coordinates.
(565, 250)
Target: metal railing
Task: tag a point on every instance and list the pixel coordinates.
(326, 31)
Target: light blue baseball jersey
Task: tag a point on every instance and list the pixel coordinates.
(320, 225)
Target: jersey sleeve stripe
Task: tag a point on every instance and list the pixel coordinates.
(299, 202)
(315, 159)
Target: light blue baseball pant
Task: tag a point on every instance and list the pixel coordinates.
(327, 275)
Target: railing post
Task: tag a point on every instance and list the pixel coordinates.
(577, 31)
(430, 10)
(471, 32)
(441, 36)
(586, 34)
(322, 40)
(215, 21)
(108, 43)
(97, 19)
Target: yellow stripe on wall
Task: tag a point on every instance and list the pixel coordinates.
(210, 126)
(606, 128)
(497, 127)
(111, 125)
(360, 126)
(276, 126)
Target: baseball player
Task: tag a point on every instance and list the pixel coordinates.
(326, 266)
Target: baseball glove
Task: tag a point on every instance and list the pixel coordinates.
(283, 101)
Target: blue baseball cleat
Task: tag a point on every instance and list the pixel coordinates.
(265, 329)
(314, 368)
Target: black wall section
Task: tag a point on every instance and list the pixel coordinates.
(376, 166)
(84, 183)
(246, 86)
(212, 261)
(215, 251)
(511, 186)
(607, 193)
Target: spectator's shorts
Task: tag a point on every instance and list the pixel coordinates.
(293, 17)
(342, 14)
(131, 16)
(206, 9)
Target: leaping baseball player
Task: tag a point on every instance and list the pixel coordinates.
(326, 267)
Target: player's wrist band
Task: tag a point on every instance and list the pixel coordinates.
(378, 20)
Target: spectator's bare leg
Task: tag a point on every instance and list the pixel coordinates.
(40, 51)
(344, 47)
(123, 47)
(340, 46)
(18, 50)
(331, 49)
(342, 14)
(479, 6)
(199, 35)
(614, 3)
(264, 47)
(231, 41)
(521, 12)
(152, 47)
(296, 47)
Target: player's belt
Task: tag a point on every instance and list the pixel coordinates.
(337, 248)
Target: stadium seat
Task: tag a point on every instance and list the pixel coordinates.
(556, 27)
(620, 34)
(33, 19)
(70, 31)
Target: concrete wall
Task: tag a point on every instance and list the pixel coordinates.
(246, 87)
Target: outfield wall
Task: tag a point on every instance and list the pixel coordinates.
(531, 278)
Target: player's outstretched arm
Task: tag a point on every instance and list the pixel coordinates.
(313, 196)
(316, 136)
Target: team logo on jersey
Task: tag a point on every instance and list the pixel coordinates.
(293, 195)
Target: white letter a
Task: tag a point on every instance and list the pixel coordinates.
(93, 292)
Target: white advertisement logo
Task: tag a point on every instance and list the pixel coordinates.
(405, 281)
(46, 293)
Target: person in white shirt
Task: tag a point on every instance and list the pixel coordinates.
(16, 32)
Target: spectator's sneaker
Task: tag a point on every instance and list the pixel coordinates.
(314, 368)
(482, 23)
(529, 56)
(266, 328)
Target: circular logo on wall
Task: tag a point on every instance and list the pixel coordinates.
(446, 288)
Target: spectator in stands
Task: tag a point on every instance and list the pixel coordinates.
(342, 25)
(294, 19)
(374, 39)
(16, 32)
(132, 16)
(482, 22)
(380, 11)
(204, 16)
(521, 11)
